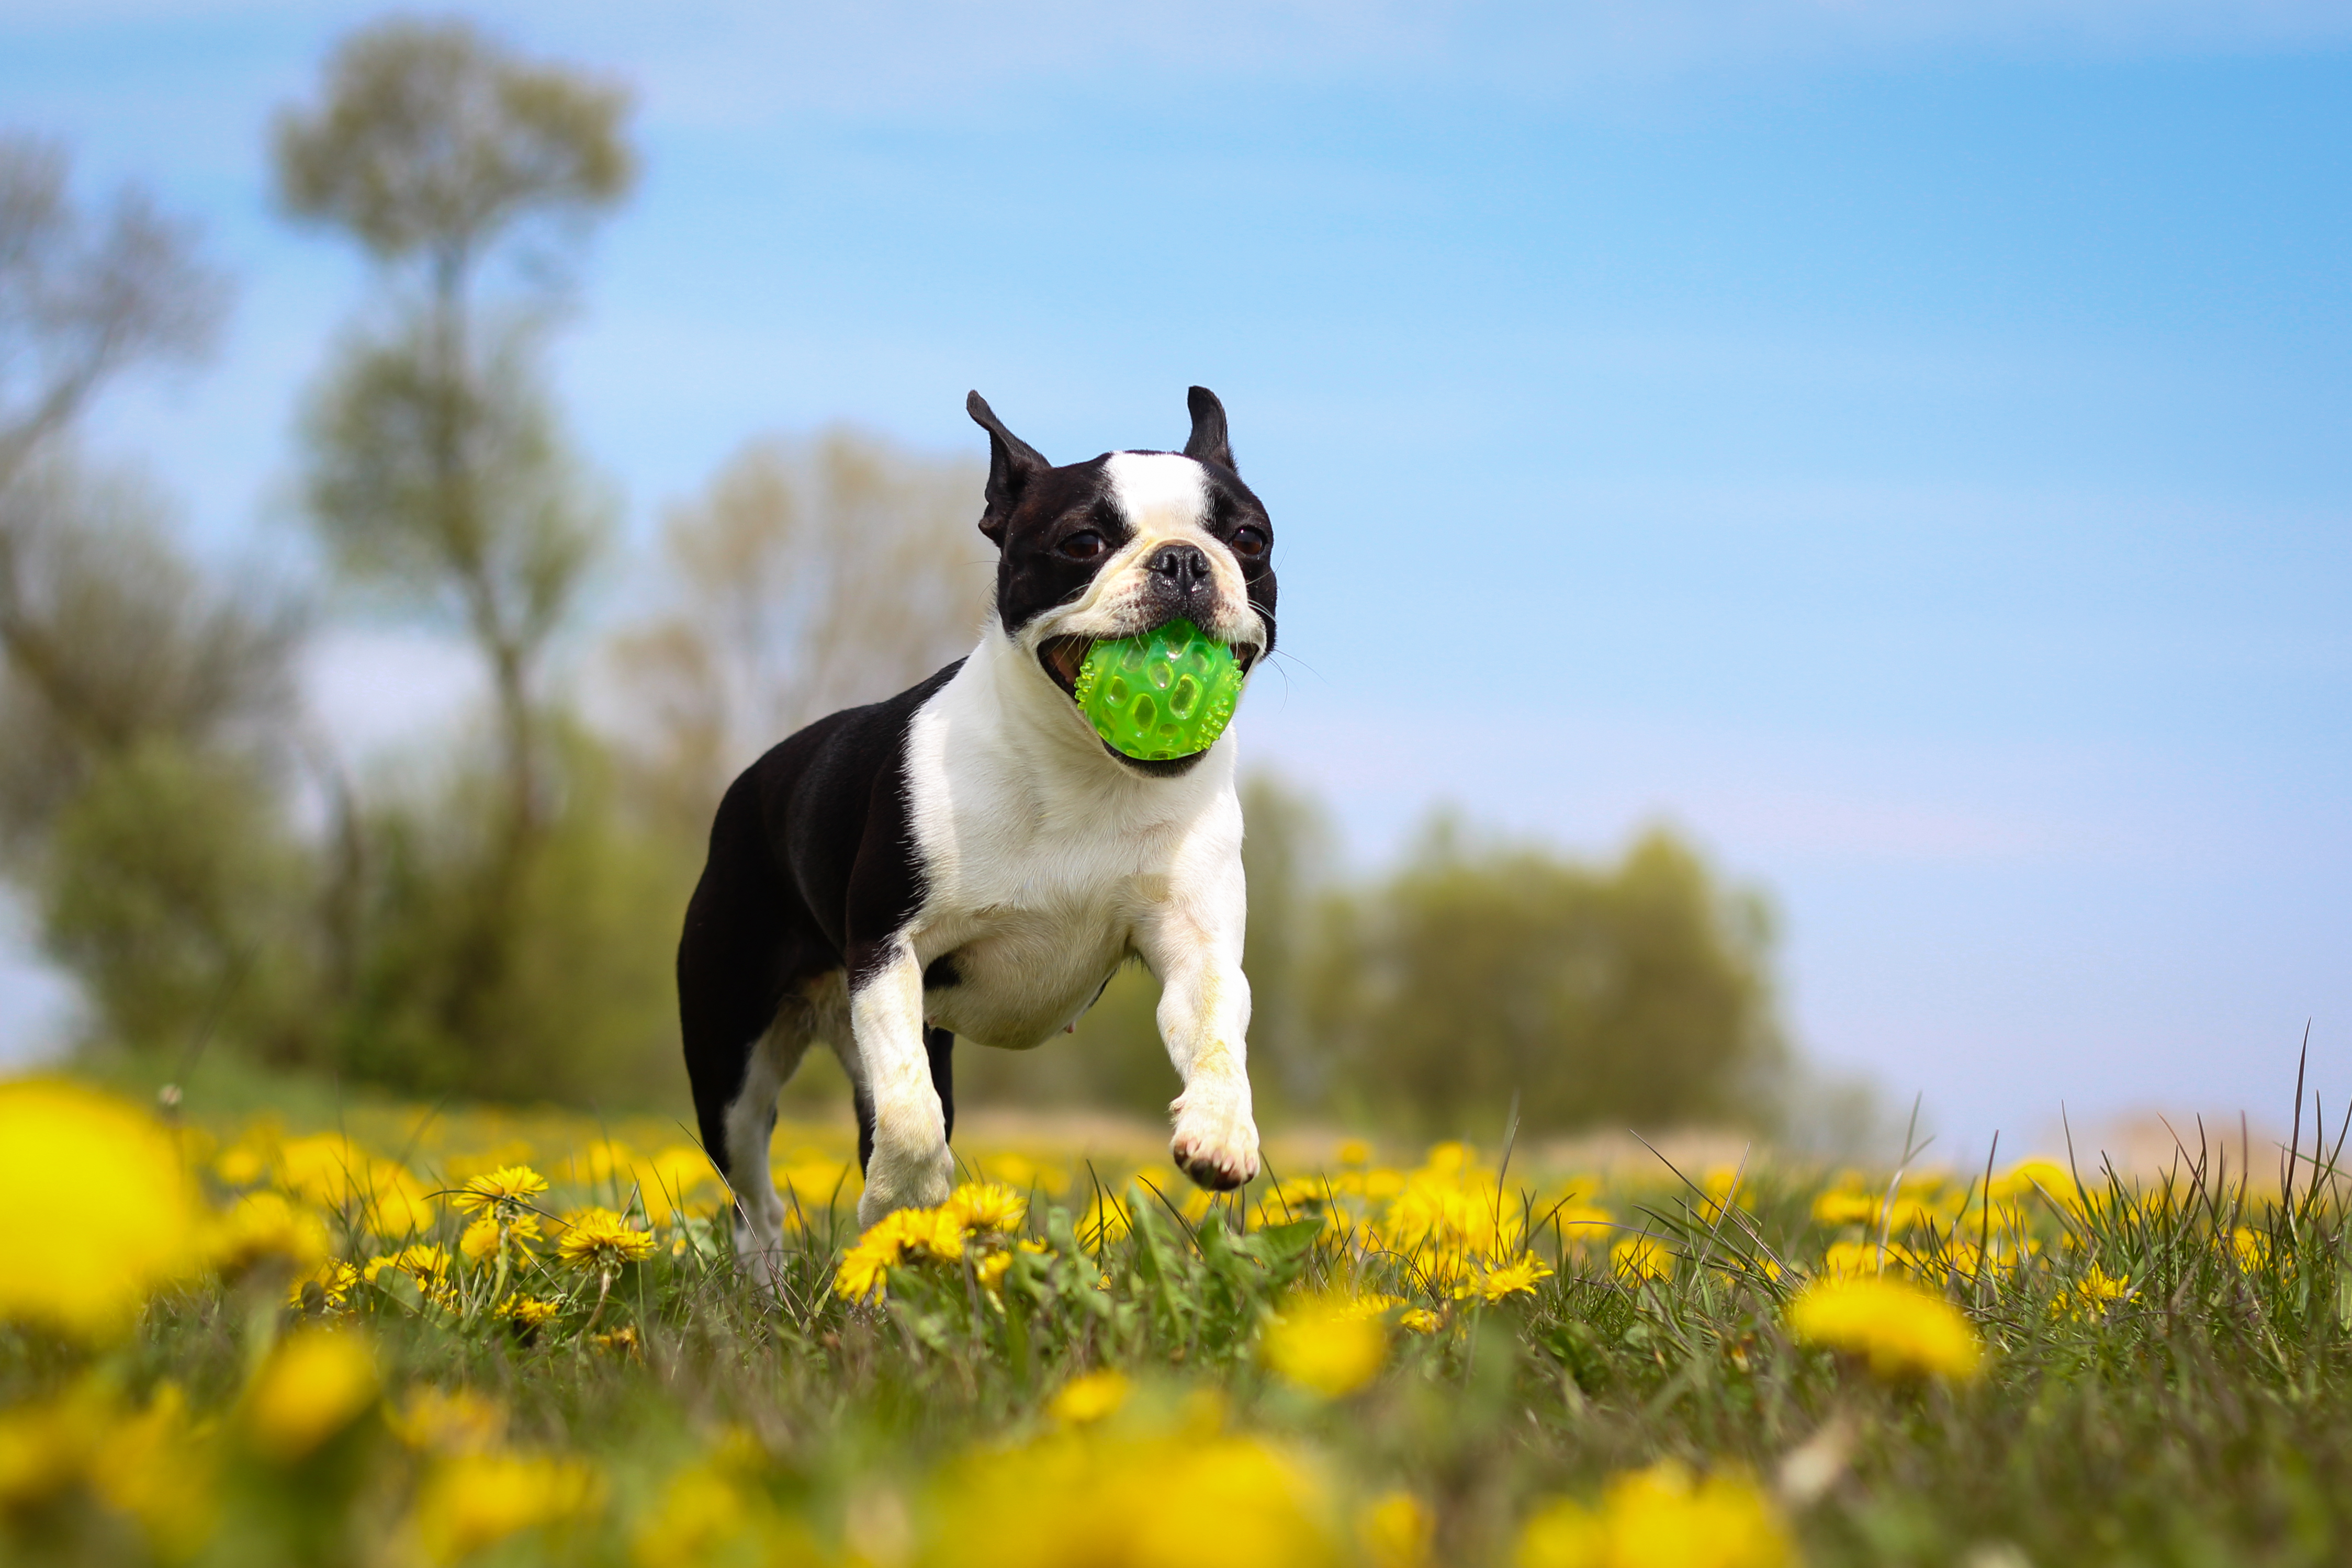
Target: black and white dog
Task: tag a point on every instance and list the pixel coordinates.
(969, 859)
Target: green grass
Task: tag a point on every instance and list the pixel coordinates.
(2201, 1416)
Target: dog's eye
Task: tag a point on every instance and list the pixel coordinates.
(1248, 540)
(1084, 544)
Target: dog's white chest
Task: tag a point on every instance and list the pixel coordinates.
(1035, 880)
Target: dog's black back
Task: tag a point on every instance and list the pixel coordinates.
(757, 928)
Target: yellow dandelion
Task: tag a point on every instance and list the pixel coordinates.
(1355, 1152)
(481, 1238)
(1838, 1207)
(1188, 1493)
(1397, 1531)
(601, 1239)
(325, 1289)
(707, 1514)
(476, 1501)
(1089, 1397)
(45, 1445)
(2250, 1247)
(1856, 1259)
(450, 1421)
(1513, 1278)
(2047, 1178)
(1326, 1347)
(425, 1264)
(528, 1312)
(865, 1269)
(154, 1468)
(936, 1233)
(101, 1210)
(505, 1190)
(989, 1207)
(1108, 1219)
(1420, 1320)
(991, 1270)
(1899, 1329)
(2090, 1295)
(1661, 1518)
(316, 1382)
(902, 1235)
(1638, 1258)
(266, 1225)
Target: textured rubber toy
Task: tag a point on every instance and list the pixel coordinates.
(1164, 694)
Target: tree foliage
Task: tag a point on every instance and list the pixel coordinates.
(1634, 993)
(809, 576)
(116, 640)
(85, 295)
(146, 710)
(436, 470)
(435, 142)
(438, 475)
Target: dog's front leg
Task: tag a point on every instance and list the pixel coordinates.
(1204, 1009)
(911, 1167)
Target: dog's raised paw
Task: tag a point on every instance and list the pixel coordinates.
(1218, 1157)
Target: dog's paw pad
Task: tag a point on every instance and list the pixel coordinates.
(1217, 1165)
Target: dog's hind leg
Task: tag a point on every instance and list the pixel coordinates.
(939, 1044)
(750, 1128)
(744, 1027)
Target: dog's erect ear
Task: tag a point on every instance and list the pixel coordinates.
(1208, 442)
(1012, 464)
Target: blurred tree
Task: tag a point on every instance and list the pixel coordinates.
(83, 298)
(584, 1011)
(144, 711)
(1637, 993)
(115, 641)
(1286, 855)
(811, 575)
(436, 470)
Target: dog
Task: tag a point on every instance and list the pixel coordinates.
(970, 860)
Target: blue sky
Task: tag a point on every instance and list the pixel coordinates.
(1904, 447)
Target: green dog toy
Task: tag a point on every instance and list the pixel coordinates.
(1164, 694)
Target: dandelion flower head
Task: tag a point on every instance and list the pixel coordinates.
(1899, 1329)
(101, 1210)
(600, 1238)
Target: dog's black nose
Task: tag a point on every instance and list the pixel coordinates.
(1183, 566)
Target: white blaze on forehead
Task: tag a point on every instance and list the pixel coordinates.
(1158, 491)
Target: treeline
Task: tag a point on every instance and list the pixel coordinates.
(1477, 971)
(494, 912)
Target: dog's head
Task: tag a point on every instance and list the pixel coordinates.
(1124, 543)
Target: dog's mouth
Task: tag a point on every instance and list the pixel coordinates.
(1063, 657)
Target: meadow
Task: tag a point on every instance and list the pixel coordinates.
(431, 1336)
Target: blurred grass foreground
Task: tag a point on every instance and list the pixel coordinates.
(428, 1338)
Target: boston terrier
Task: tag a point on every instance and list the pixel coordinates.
(969, 859)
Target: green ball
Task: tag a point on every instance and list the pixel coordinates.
(1167, 694)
